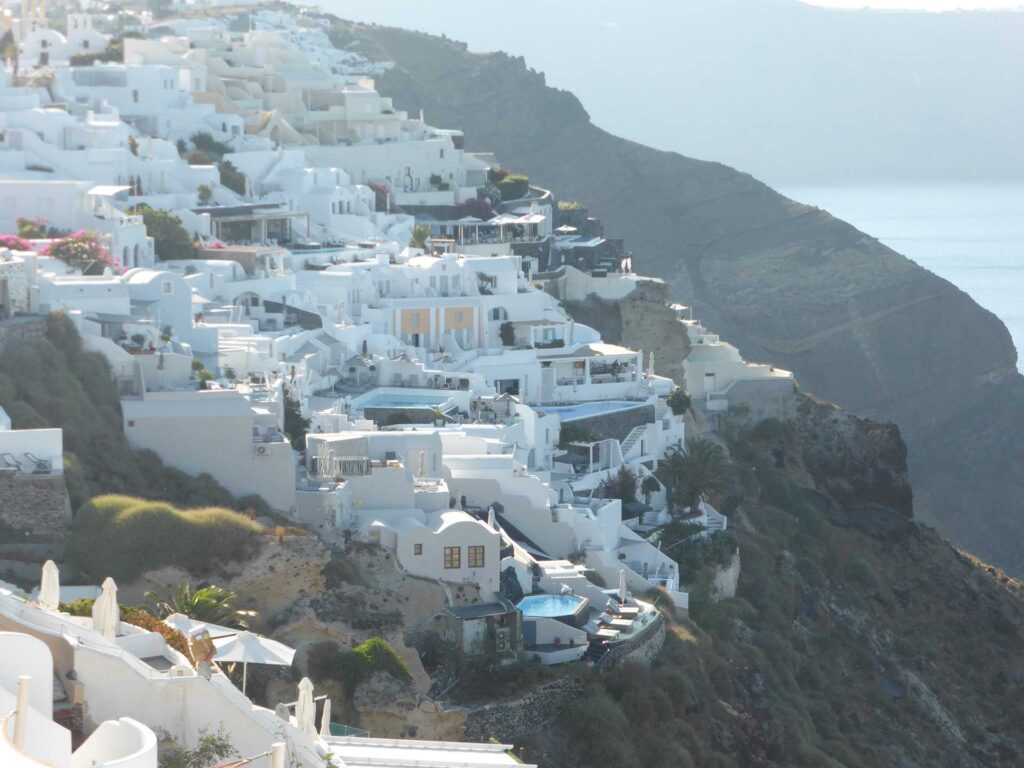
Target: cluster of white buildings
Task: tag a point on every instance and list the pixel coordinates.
(458, 416)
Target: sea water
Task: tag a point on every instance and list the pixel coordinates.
(970, 234)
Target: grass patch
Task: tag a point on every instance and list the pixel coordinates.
(123, 537)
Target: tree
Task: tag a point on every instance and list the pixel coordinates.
(420, 233)
(507, 334)
(679, 401)
(205, 142)
(700, 470)
(170, 238)
(210, 750)
(204, 193)
(513, 186)
(621, 485)
(295, 426)
(212, 604)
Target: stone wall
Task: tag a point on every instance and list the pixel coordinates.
(36, 504)
(20, 329)
(16, 273)
(724, 583)
(617, 424)
(514, 720)
(642, 649)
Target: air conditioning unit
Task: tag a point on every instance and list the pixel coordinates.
(261, 450)
(503, 640)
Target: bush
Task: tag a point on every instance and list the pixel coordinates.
(205, 143)
(15, 243)
(679, 401)
(514, 186)
(137, 617)
(81, 250)
(31, 229)
(507, 334)
(355, 667)
(123, 537)
(170, 239)
(231, 177)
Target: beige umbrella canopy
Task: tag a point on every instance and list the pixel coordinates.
(105, 614)
(325, 718)
(49, 586)
(305, 708)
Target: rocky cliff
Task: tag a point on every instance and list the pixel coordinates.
(858, 323)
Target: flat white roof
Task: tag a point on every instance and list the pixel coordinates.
(357, 752)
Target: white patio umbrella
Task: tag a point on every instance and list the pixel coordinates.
(185, 625)
(105, 613)
(305, 709)
(49, 586)
(325, 718)
(255, 649)
(423, 464)
(622, 585)
(650, 365)
(492, 521)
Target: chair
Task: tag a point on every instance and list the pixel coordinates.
(41, 466)
(9, 462)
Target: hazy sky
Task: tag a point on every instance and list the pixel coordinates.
(920, 5)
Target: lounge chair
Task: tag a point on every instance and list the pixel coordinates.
(10, 463)
(40, 466)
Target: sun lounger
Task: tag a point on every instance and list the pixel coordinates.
(9, 462)
(40, 466)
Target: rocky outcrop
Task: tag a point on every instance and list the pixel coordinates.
(642, 320)
(858, 323)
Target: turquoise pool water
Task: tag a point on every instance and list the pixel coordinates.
(550, 606)
(398, 400)
(586, 410)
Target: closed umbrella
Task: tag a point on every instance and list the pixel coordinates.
(325, 718)
(105, 614)
(305, 709)
(49, 586)
(252, 649)
(622, 585)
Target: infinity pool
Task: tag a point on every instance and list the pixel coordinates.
(586, 410)
(551, 606)
(378, 399)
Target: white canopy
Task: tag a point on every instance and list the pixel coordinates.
(252, 649)
(185, 625)
(49, 586)
(105, 614)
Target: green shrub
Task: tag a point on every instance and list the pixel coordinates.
(170, 238)
(231, 177)
(679, 401)
(514, 186)
(355, 667)
(123, 537)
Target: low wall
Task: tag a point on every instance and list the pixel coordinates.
(642, 649)
(21, 329)
(512, 721)
(616, 424)
(37, 504)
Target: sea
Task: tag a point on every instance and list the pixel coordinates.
(970, 234)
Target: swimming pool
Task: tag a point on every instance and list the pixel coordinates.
(552, 606)
(385, 399)
(586, 410)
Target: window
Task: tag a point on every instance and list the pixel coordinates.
(452, 557)
(442, 153)
(131, 422)
(417, 549)
(416, 320)
(135, 96)
(458, 317)
(476, 556)
(168, 287)
(85, 43)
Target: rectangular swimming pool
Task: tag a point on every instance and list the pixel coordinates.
(563, 607)
(595, 408)
(385, 399)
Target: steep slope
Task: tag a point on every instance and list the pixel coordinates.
(858, 323)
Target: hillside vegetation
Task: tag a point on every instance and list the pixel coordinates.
(53, 382)
(124, 537)
(857, 639)
(788, 284)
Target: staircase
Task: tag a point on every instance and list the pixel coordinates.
(595, 651)
(631, 439)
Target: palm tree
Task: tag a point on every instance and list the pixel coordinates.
(212, 604)
(698, 471)
(420, 233)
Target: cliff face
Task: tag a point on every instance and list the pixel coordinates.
(858, 323)
(856, 637)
